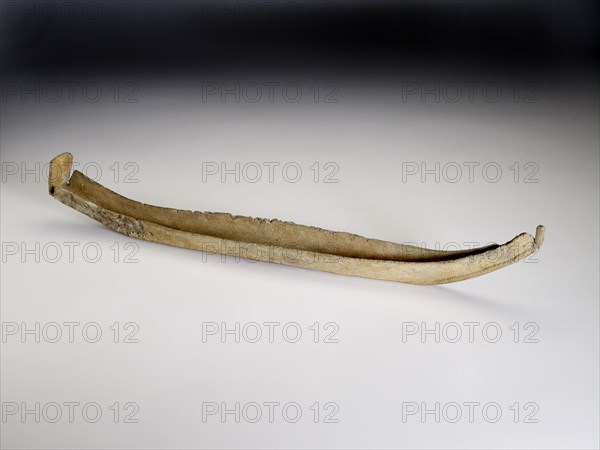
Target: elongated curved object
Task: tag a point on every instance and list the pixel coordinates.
(280, 242)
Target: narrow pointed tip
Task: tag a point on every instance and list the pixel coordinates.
(539, 235)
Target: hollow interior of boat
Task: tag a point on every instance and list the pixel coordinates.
(261, 231)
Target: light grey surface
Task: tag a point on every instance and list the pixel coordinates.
(370, 372)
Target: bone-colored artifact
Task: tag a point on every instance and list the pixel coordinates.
(280, 242)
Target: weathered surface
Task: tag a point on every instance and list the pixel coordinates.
(280, 242)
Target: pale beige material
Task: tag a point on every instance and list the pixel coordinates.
(280, 242)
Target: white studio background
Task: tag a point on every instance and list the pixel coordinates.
(155, 373)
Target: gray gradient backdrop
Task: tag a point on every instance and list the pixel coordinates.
(366, 372)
